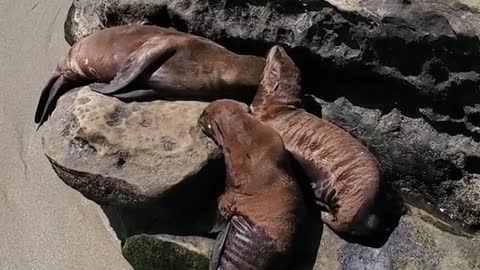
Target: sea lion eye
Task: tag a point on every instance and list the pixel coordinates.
(209, 126)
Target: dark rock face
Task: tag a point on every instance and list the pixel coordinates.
(402, 76)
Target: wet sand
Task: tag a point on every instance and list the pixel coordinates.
(44, 224)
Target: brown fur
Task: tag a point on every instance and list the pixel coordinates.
(260, 185)
(343, 174)
(183, 65)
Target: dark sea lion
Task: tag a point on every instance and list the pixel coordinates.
(144, 61)
(262, 203)
(342, 172)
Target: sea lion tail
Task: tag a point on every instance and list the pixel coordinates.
(48, 97)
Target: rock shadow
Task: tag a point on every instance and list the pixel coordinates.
(187, 209)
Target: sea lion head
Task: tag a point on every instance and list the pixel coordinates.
(280, 83)
(223, 118)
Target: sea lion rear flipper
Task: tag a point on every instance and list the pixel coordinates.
(54, 92)
(44, 97)
(152, 53)
(218, 248)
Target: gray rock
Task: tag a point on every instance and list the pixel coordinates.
(409, 69)
(127, 154)
(414, 244)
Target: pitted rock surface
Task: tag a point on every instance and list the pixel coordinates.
(407, 70)
(125, 153)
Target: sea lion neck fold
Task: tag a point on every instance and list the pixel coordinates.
(281, 81)
(229, 124)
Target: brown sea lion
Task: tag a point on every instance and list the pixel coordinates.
(262, 204)
(144, 61)
(342, 172)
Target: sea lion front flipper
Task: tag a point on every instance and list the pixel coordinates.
(219, 225)
(218, 248)
(243, 246)
(153, 53)
(321, 179)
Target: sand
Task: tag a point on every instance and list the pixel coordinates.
(44, 224)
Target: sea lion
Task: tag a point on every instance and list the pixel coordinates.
(145, 61)
(342, 172)
(262, 204)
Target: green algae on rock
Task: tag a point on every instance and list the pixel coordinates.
(165, 252)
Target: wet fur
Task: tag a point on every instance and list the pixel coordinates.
(262, 200)
(342, 172)
(174, 64)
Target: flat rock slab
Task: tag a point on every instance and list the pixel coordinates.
(125, 154)
(415, 244)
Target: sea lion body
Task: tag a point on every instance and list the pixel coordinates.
(342, 172)
(262, 203)
(143, 61)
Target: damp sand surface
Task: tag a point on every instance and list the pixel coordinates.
(44, 224)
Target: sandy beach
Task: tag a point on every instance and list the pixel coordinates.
(44, 224)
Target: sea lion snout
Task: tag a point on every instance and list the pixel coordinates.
(275, 52)
(219, 113)
(280, 82)
(280, 64)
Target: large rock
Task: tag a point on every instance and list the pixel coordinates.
(407, 72)
(415, 244)
(128, 154)
(147, 160)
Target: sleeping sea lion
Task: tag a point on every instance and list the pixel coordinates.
(145, 61)
(262, 203)
(342, 172)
